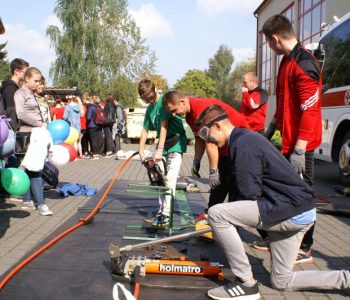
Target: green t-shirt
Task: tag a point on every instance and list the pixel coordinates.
(157, 113)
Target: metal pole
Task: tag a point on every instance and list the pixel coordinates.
(165, 240)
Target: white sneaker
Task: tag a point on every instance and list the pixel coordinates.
(44, 210)
(28, 205)
(15, 198)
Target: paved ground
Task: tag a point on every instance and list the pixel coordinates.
(21, 230)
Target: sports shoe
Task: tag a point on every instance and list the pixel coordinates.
(161, 221)
(262, 245)
(95, 157)
(236, 290)
(304, 257)
(15, 199)
(28, 205)
(202, 219)
(153, 219)
(108, 154)
(44, 210)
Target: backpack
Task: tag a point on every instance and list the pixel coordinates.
(99, 116)
(121, 114)
(110, 113)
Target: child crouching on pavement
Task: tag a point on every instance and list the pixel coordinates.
(172, 144)
(279, 201)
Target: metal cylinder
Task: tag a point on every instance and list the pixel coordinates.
(166, 239)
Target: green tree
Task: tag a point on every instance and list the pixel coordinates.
(4, 64)
(125, 89)
(196, 83)
(219, 69)
(233, 90)
(159, 81)
(99, 41)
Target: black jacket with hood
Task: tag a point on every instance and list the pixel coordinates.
(261, 173)
(8, 90)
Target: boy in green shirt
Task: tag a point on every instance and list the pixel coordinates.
(172, 143)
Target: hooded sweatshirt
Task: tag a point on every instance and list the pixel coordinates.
(8, 90)
(72, 115)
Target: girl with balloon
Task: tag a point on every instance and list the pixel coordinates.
(29, 117)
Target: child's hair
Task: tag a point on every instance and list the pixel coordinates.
(30, 72)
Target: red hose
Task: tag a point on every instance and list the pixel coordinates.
(81, 222)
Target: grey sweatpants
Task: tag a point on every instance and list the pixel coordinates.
(285, 242)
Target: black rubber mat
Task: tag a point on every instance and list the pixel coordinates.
(78, 266)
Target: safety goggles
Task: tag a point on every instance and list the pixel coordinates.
(204, 132)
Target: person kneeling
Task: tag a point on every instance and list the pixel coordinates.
(279, 201)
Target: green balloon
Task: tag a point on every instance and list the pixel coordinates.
(15, 181)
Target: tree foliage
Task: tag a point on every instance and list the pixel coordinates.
(125, 89)
(159, 81)
(233, 89)
(196, 83)
(219, 69)
(4, 64)
(98, 43)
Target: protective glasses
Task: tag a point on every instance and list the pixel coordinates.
(204, 132)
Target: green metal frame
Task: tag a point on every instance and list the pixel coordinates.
(141, 189)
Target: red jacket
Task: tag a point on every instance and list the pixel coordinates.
(197, 105)
(254, 108)
(298, 91)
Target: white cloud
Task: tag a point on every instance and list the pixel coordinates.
(242, 54)
(227, 7)
(29, 45)
(152, 24)
(52, 20)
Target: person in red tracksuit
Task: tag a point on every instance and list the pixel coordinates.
(298, 109)
(220, 179)
(254, 102)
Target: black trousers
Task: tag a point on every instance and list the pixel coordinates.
(108, 138)
(308, 177)
(96, 139)
(226, 186)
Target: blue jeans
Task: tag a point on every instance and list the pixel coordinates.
(35, 191)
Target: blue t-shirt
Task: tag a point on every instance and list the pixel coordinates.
(304, 218)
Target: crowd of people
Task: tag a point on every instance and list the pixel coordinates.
(28, 109)
(267, 189)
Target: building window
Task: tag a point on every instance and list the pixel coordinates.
(312, 13)
(266, 64)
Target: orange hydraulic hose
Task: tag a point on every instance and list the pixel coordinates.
(81, 222)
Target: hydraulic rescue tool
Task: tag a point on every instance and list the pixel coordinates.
(156, 175)
(123, 265)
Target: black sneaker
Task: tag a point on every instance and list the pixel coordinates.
(236, 290)
(161, 221)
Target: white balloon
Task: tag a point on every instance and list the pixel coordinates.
(59, 156)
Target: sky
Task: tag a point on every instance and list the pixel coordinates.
(184, 34)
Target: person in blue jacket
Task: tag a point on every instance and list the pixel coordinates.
(271, 196)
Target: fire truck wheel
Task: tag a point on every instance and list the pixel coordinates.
(344, 160)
